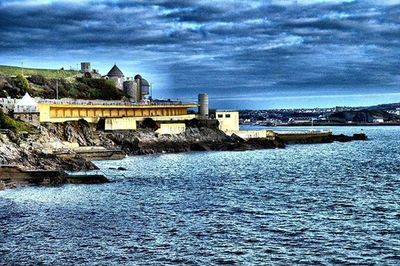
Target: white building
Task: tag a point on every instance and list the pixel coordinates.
(26, 105)
(228, 120)
(27, 110)
(378, 120)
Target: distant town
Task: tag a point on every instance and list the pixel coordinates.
(385, 114)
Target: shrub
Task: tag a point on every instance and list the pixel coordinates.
(100, 89)
(3, 93)
(6, 122)
(37, 79)
(22, 83)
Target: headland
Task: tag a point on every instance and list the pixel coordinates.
(41, 138)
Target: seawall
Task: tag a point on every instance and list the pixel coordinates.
(313, 137)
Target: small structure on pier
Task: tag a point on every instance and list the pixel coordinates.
(229, 123)
(228, 120)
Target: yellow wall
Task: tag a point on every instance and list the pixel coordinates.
(171, 118)
(171, 129)
(130, 123)
(228, 121)
(124, 123)
(51, 112)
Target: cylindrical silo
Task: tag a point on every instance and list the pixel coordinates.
(203, 105)
(130, 89)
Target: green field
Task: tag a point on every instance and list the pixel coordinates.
(47, 73)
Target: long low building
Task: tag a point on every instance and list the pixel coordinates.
(92, 111)
(117, 115)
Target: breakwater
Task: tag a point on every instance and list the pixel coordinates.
(313, 137)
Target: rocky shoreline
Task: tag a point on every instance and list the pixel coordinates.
(58, 147)
(13, 176)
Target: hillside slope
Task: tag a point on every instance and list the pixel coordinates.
(362, 116)
(46, 83)
(47, 73)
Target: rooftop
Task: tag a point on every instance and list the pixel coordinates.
(115, 72)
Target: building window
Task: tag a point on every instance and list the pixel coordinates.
(227, 115)
(220, 116)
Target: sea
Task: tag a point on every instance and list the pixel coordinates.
(321, 204)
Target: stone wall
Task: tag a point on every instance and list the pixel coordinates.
(31, 118)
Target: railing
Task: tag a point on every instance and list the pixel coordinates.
(12, 101)
(303, 132)
(8, 101)
(118, 103)
(26, 109)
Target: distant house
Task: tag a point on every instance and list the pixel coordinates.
(299, 120)
(228, 120)
(378, 120)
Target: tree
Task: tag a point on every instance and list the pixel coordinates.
(22, 83)
(149, 123)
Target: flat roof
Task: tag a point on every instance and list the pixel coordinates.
(115, 103)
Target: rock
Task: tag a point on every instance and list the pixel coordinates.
(199, 147)
(86, 179)
(11, 176)
(236, 138)
(360, 136)
(344, 138)
(36, 150)
(193, 139)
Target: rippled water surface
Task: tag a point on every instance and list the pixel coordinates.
(306, 204)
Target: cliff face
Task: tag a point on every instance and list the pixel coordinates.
(35, 151)
(146, 141)
(57, 146)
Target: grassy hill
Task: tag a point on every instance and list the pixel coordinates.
(46, 83)
(47, 73)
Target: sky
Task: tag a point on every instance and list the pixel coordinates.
(244, 54)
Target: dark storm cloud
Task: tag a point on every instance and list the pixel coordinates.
(219, 46)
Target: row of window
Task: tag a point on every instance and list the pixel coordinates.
(226, 115)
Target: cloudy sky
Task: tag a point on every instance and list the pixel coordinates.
(245, 54)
